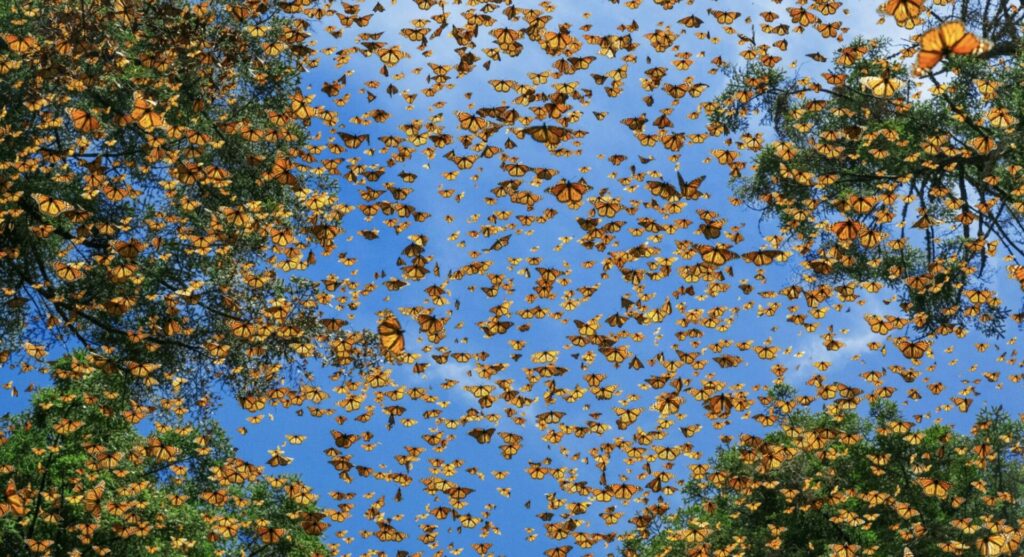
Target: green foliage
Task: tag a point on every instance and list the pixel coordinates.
(82, 479)
(826, 479)
(926, 172)
(153, 187)
(754, 88)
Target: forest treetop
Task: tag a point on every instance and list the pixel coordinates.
(477, 240)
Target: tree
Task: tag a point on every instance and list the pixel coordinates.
(154, 187)
(79, 479)
(835, 483)
(886, 175)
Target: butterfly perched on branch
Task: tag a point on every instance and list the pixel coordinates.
(881, 85)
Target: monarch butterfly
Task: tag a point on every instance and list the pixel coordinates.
(847, 230)
(392, 336)
(21, 45)
(716, 255)
(83, 121)
(912, 350)
(691, 21)
(270, 535)
(277, 458)
(615, 354)
(829, 30)
(36, 351)
(881, 86)
(711, 230)
(1000, 117)
(948, 38)
(762, 257)
(434, 327)
(144, 114)
(458, 492)
(905, 511)
(390, 56)
(663, 190)
(987, 88)
(550, 135)
(607, 206)
(727, 361)
(723, 16)
(462, 163)
(801, 16)
(844, 550)
(353, 141)
(160, 451)
(993, 545)
(555, 43)
(623, 491)
(106, 460)
(718, 406)
(933, 487)
(725, 156)
(502, 85)
(482, 435)
(580, 62)
(570, 193)
(177, 499)
(66, 427)
(626, 416)
(905, 12)
(962, 403)
(691, 189)
(38, 546)
(92, 499)
(242, 330)
(50, 206)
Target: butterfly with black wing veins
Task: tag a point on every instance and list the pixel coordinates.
(949, 38)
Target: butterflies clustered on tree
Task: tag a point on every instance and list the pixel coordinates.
(80, 479)
(878, 165)
(904, 490)
(512, 270)
(151, 214)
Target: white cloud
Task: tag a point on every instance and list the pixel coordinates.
(855, 341)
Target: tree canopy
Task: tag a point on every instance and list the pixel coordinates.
(916, 188)
(79, 478)
(838, 484)
(153, 192)
(154, 187)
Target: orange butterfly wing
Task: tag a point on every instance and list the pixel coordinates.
(948, 38)
(392, 337)
(904, 11)
(956, 40)
(932, 49)
(82, 120)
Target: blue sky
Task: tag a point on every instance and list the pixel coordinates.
(506, 498)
